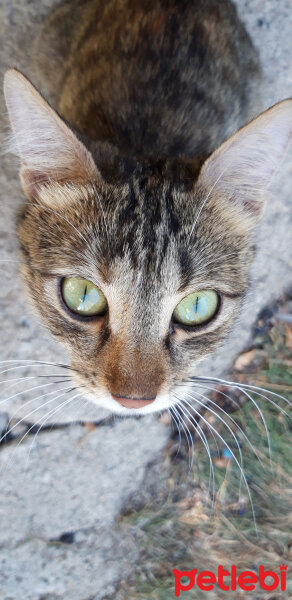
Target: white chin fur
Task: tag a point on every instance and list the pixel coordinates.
(162, 402)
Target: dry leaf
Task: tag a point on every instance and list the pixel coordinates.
(254, 358)
(288, 334)
(194, 515)
(244, 359)
(221, 462)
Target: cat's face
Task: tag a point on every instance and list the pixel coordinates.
(142, 276)
(133, 241)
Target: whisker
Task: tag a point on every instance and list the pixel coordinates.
(209, 401)
(44, 419)
(191, 454)
(2, 470)
(30, 365)
(241, 385)
(61, 217)
(226, 425)
(264, 422)
(46, 376)
(235, 459)
(203, 437)
(205, 201)
(13, 382)
(178, 428)
(66, 425)
(182, 425)
(215, 441)
(243, 388)
(186, 431)
(36, 387)
(41, 362)
(220, 419)
(279, 408)
(213, 389)
(32, 412)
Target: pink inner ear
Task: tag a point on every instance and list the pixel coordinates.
(49, 150)
(241, 169)
(31, 181)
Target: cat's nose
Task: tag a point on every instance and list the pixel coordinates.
(133, 402)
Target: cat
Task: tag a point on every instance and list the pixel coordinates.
(143, 186)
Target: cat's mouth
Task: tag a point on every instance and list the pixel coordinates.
(128, 406)
(133, 402)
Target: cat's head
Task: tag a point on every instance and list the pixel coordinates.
(141, 275)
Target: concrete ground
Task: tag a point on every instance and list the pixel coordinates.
(60, 495)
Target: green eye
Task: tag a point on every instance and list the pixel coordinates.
(197, 308)
(83, 297)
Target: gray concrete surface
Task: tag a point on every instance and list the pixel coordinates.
(72, 483)
(75, 481)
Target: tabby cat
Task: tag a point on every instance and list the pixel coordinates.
(136, 236)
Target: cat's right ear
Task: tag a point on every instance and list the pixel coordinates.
(241, 169)
(48, 149)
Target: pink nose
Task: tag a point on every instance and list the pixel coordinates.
(133, 402)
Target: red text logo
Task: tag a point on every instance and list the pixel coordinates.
(231, 580)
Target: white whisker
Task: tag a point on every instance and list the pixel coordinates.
(209, 401)
(32, 365)
(33, 411)
(264, 422)
(203, 437)
(36, 387)
(14, 382)
(235, 459)
(178, 427)
(186, 431)
(2, 470)
(243, 385)
(39, 362)
(206, 200)
(219, 417)
(44, 419)
(61, 217)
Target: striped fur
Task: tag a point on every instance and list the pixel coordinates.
(133, 194)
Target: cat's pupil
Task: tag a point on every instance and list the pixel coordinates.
(197, 302)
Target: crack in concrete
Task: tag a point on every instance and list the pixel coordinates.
(29, 428)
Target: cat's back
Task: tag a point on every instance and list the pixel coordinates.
(153, 77)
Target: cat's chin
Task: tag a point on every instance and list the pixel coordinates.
(105, 400)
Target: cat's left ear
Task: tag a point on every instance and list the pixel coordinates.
(241, 169)
(49, 150)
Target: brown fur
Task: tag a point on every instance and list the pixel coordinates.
(137, 207)
(163, 61)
